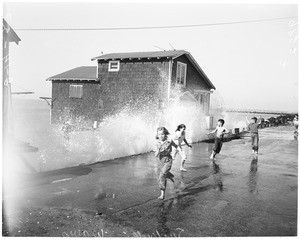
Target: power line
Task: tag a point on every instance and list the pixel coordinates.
(152, 27)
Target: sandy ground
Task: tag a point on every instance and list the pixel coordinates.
(238, 195)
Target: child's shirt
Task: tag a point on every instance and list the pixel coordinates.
(253, 128)
(164, 149)
(220, 131)
(179, 137)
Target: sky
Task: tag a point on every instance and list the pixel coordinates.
(253, 65)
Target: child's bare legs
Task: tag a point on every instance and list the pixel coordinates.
(162, 179)
(162, 194)
(182, 165)
(183, 158)
(213, 155)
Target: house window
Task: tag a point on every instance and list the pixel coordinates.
(75, 91)
(181, 73)
(113, 66)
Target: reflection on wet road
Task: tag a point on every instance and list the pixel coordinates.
(253, 177)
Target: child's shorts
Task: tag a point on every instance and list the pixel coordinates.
(218, 145)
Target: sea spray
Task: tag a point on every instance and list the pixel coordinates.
(234, 120)
(190, 114)
(125, 134)
(128, 132)
(218, 111)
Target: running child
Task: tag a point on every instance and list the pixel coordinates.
(253, 128)
(67, 128)
(178, 138)
(163, 152)
(219, 132)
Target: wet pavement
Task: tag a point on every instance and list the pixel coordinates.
(238, 195)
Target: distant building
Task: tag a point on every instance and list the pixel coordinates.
(127, 79)
(9, 35)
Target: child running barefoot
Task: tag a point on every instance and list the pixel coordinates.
(253, 128)
(163, 152)
(219, 132)
(178, 138)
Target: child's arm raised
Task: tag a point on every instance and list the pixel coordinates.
(247, 120)
(259, 120)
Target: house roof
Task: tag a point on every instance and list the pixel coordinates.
(11, 35)
(156, 54)
(134, 55)
(83, 73)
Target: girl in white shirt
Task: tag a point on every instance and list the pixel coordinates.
(178, 138)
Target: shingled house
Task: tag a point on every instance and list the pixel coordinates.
(128, 79)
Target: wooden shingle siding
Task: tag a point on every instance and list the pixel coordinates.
(139, 85)
(65, 107)
(136, 86)
(194, 81)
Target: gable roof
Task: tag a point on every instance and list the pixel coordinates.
(156, 54)
(83, 73)
(11, 34)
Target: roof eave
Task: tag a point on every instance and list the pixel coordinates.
(12, 35)
(70, 79)
(131, 58)
(15, 38)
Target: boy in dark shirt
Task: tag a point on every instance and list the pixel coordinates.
(219, 132)
(253, 128)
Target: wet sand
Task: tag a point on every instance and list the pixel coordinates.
(238, 195)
